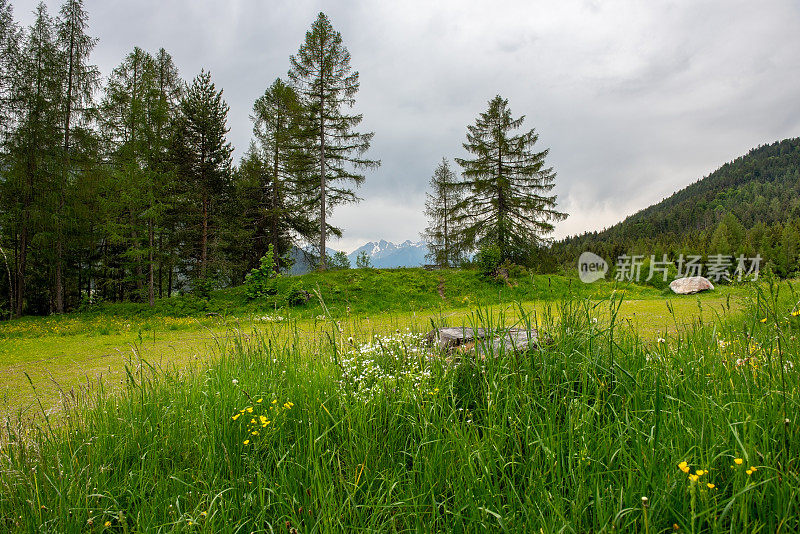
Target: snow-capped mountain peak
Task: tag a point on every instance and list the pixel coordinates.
(386, 254)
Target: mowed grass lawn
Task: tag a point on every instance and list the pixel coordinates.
(42, 358)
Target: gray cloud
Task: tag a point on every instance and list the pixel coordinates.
(635, 100)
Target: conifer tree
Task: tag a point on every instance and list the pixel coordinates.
(9, 50)
(506, 186)
(321, 74)
(79, 81)
(33, 144)
(280, 130)
(128, 135)
(441, 234)
(204, 157)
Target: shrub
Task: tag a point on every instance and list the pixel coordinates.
(202, 287)
(488, 259)
(297, 296)
(363, 261)
(262, 282)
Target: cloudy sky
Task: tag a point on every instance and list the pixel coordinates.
(634, 99)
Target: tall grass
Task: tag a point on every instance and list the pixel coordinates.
(586, 433)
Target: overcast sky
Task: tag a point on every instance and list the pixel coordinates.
(634, 99)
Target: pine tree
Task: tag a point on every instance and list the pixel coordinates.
(204, 157)
(321, 74)
(441, 235)
(281, 134)
(506, 186)
(79, 81)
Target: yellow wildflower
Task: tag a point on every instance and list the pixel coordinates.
(235, 417)
(749, 472)
(254, 433)
(683, 466)
(693, 478)
(246, 442)
(738, 461)
(107, 524)
(274, 401)
(753, 469)
(249, 409)
(263, 419)
(710, 485)
(260, 401)
(700, 472)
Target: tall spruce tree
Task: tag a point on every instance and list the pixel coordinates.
(321, 74)
(79, 81)
(506, 186)
(441, 234)
(204, 156)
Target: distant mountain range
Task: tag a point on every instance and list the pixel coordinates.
(382, 254)
(386, 255)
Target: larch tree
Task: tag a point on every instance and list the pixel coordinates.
(33, 144)
(128, 136)
(281, 134)
(163, 101)
(204, 156)
(441, 234)
(321, 74)
(506, 186)
(79, 81)
(9, 50)
(9, 54)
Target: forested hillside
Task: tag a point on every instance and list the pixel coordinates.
(749, 206)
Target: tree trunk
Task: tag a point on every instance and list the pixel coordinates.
(64, 177)
(10, 285)
(21, 259)
(204, 238)
(323, 258)
(151, 290)
(275, 204)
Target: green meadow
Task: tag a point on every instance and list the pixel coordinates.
(639, 411)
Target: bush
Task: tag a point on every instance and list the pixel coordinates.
(202, 287)
(338, 262)
(297, 296)
(262, 282)
(363, 261)
(488, 259)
